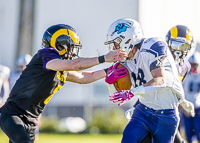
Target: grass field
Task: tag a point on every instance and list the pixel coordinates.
(72, 138)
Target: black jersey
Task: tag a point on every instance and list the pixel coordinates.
(36, 85)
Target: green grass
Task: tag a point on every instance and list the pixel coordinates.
(72, 138)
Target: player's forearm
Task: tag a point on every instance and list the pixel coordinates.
(72, 65)
(84, 63)
(89, 77)
(155, 82)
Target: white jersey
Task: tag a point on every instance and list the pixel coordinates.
(191, 86)
(152, 54)
(4, 85)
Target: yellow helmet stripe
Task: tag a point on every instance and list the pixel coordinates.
(56, 35)
(74, 36)
(174, 32)
(189, 36)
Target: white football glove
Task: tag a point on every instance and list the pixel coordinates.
(188, 107)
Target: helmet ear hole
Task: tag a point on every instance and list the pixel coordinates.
(45, 43)
(59, 46)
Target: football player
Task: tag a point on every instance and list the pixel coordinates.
(180, 41)
(45, 74)
(21, 63)
(156, 82)
(191, 86)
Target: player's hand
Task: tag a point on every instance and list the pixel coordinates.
(121, 96)
(188, 107)
(113, 74)
(115, 55)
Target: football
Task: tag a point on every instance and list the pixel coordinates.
(123, 83)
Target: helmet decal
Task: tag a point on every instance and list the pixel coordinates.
(174, 32)
(121, 27)
(189, 36)
(56, 35)
(74, 36)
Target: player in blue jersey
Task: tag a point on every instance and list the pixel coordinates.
(45, 74)
(180, 45)
(155, 77)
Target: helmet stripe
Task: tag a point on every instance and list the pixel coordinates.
(55, 36)
(74, 36)
(174, 32)
(189, 36)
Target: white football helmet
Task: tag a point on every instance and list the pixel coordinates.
(23, 59)
(195, 63)
(126, 32)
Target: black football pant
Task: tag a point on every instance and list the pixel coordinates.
(17, 129)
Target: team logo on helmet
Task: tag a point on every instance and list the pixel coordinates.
(122, 27)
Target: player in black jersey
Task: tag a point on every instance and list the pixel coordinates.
(46, 73)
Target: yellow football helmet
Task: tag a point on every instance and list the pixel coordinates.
(63, 38)
(180, 41)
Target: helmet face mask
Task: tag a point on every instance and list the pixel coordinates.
(72, 52)
(125, 32)
(63, 38)
(111, 45)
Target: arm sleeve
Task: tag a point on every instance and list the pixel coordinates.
(49, 54)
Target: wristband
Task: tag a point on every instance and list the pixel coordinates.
(101, 59)
(106, 70)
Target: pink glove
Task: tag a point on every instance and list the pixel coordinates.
(122, 95)
(113, 74)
